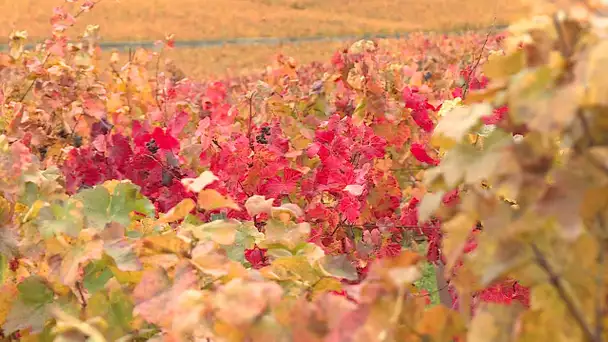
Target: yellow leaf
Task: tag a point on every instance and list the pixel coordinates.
(211, 200)
(441, 323)
(133, 277)
(494, 322)
(596, 82)
(286, 212)
(8, 294)
(208, 258)
(228, 332)
(179, 211)
(34, 210)
(448, 105)
(162, 244)
(5, 208)
(291, 268)
(503, 66)
(111, 185)
(429, 204)
(456, 231)
(326, 285)
(219, 231)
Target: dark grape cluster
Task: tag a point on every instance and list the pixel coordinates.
(152, 146)
(77, 140)
(261, 138)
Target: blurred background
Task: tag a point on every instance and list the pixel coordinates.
(338, 22)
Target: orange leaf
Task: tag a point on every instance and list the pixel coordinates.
(210, 200)
(179, 211)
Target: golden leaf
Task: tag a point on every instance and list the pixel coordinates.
(211, 200)
(441, 324)
(457, 232)
(179, 211)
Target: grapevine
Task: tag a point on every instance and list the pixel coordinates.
(289, 205)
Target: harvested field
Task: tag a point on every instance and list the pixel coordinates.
(228, 61)
(195, 19)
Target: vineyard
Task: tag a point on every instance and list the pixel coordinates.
(434, 188)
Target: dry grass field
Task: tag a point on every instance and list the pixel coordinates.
(207, 19)
(218, 62)
(136, 20)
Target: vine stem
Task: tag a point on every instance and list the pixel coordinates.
(443, 285)
(557, 283)
(599, 283)
(477, 61)
(80, 292)
(250, 122)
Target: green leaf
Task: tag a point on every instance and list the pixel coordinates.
(292, 268)
(96, 202)
(34, 291)
(101, 207)
(222, 232)
(245, 238)
(288, 234)
(279, 252)
(24, 316)
(134, 234)
(61, 217)
(31, 308)
(339, 266)
(218, 216)
(117, 310)
(3, 268)
(467, 163)
(96, 275)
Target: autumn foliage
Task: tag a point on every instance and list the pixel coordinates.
(137, 204)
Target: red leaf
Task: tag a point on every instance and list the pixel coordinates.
(350, 208)
(419, 152)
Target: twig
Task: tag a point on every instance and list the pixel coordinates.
(556, 282)
(79, 288)
(428, 294)
(566, 49)
(341, 224)
(125, 82)
(483, 47)
(243, 188)
(444, 295)
(176, 176)
(577, 148)
(250, 123)
(27, 91)
(160, 53)
(216, 144)
(599, 282)
(586, 127)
